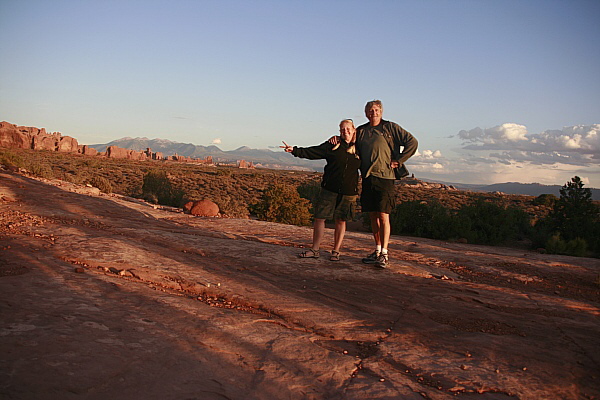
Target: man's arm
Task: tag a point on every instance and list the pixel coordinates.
(403, 138)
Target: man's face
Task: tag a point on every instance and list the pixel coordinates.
(347, 132)
(373, 112)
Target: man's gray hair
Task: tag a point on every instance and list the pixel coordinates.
(373, 103)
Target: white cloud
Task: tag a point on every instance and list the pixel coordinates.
(505, 133)
(578, 144)
(583, 139)
(216, 141)
(428, 154)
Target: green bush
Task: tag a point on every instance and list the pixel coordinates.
(41, 170)
(11, 159)
(282, 203)
(157, 188)
(575, 219)
(234, 208)
(575, 247)
(310, 191)
(420, 218)
(488, 223)
(482, 222)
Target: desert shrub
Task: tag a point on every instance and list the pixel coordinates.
(101, 183)
(232, 207)
(487, 223)
(282, 203)
(545, 200)
(310, 191)
(482, 222)
(575, 247)
(224, 172)
(424, 219)
(41, 170)
(11, 159)
(157, 188)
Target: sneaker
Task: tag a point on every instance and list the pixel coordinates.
(371, 258)
(382, 261)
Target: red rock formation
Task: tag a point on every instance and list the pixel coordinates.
(202, 208)
(27, 137)
(43, 143)
(116, 152)
(87, 150)
(11, 137)
(67, 144)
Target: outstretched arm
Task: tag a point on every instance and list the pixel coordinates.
(312, 153)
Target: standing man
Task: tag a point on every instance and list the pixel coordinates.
(382, 146)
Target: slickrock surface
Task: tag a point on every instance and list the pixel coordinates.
(106, 298)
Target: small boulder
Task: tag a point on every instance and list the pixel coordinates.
(202, 208)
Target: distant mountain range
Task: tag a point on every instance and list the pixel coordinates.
(530, 189)
(260, 157)
(281, 160)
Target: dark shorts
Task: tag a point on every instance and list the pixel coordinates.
(334, 206)
(378, 195)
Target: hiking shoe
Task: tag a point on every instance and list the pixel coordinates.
(371, 258)
(382, 261)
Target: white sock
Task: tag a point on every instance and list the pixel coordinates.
(378, 248)
(383, 251)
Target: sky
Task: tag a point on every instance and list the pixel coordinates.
(495, 91)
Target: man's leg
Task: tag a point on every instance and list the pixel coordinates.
(383, 221)
(376, 227)
(385, 229)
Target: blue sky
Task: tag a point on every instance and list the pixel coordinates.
(495, 91)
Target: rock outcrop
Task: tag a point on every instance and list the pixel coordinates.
(27, 137)
(87, 150)
(202, 208)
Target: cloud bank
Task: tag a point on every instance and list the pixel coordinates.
(576, 145)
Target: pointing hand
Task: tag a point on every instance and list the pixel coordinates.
(287, 147)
